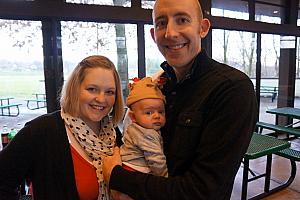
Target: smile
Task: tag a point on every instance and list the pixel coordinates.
(97, 107)
(175, 47)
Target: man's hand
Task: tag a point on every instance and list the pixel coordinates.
(119, 195)
(109, 163)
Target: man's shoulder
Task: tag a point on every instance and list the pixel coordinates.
(229, 73)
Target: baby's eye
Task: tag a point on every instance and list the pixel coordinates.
(148, 112)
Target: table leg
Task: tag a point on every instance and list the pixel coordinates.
(268, 173)
(245, 180)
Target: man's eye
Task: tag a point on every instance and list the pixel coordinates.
(148, 113)
(160, 24)
(183, 20)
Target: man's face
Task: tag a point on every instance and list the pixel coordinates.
(178, 29)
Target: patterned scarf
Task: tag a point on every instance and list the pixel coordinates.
(96, 147)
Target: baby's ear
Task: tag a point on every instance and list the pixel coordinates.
(131, 115)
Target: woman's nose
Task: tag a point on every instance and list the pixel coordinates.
(100, 97)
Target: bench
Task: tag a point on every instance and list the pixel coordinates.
(269, 90)
(39, 103)
(8, 108)
(278, 128)
(294, 156)
(290, 153)
(263, 145)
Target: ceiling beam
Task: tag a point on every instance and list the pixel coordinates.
(38, 10)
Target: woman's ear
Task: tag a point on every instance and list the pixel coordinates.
(205, 26)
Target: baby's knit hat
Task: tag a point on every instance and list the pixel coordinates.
(144, 89)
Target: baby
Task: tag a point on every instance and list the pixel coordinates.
(143, 148)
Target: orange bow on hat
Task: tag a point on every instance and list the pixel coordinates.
(144, 89)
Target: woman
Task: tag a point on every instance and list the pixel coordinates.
(61, 153)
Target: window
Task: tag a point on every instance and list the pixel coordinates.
(148, 4)
(270, 54)
(124, 3)
(153, 57)
(235, 48)
(268, 13)
(22, 72)
(231, 8)
(118, 42)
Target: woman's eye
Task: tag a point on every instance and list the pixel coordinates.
(110, 92)
(91, 89)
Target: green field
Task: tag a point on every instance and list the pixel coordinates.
(21, 84)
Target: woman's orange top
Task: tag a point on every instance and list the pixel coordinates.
(85, 176)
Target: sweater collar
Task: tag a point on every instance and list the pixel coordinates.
(200, 65)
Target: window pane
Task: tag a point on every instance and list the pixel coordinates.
(268, 13)
(118, 42)
(22, 73)
(153, 56)
(124, 3)
(297, 81)
(270, 54)
(231, 8)
(148, 4)
(235, 48)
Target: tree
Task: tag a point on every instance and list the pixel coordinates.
(247, 52)
(122, 51)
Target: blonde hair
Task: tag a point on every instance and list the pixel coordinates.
(69, 100)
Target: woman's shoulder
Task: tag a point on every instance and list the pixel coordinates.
(46, 120)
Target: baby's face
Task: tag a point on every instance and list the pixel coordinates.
(149, 113)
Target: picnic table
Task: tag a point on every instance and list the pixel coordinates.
(289, 129)
(6, 105)
(39, 101)
(286, 111)
(263, 145)
(272, 90)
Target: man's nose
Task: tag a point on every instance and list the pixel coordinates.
(171, 30)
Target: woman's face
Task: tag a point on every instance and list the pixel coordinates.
(97, 95)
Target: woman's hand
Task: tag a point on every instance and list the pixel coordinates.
(109, 163)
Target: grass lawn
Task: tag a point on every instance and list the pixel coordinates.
(21, 84)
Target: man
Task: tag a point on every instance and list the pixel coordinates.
(211, 113)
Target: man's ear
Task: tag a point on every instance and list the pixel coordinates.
(132, 116)
(152, 34)
(205, 26)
